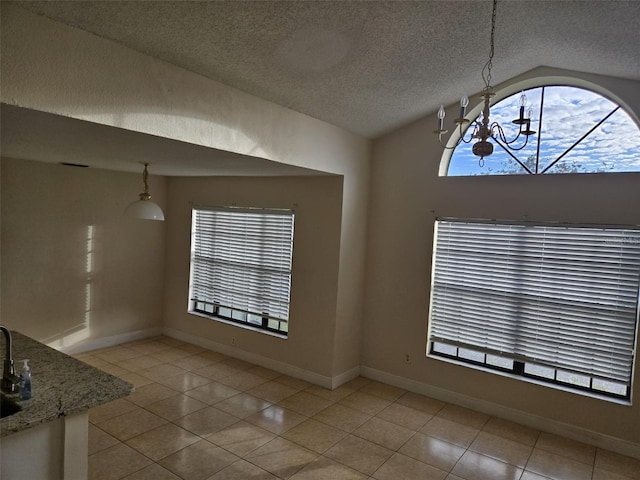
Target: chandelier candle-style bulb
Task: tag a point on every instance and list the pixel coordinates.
(464, 103)
(527, 130)
(523, 103)
(441, 114)
(523, 99)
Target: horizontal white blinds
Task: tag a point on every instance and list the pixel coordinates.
(241, 259)
(561, 296)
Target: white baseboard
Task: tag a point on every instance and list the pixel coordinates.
(584, 435)
(345, 377)
(284, 368)
(103, 342)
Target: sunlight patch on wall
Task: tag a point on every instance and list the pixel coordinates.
(80, 332)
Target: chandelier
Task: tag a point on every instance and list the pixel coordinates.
(482, 131)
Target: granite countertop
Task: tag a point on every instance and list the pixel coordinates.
(60, 385)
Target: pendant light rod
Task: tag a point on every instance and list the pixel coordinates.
(145, 175)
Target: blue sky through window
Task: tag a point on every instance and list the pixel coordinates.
(568, 113)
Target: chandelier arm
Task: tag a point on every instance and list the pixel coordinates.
(495, 126)
(467, 141)
(517, 149)
(460, 140)
(503, 137)
(462, 135)
(444, 145)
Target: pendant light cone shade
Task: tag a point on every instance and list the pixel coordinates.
(144, 208)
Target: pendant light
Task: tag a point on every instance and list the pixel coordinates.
(144, 208)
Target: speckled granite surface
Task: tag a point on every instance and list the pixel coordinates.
(61, 385)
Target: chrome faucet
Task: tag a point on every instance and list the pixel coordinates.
(10, 382)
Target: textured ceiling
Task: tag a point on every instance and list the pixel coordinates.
(366, 66)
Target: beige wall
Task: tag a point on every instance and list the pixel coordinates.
(317, 205)
(74, 268)
(50, 67)
(407, 194)
(353, 243)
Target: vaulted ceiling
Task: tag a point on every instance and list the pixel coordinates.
(366, 66)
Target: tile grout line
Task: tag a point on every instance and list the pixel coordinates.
(359, 387)
(533, 448)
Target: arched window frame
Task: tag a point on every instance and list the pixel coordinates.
(512, 89)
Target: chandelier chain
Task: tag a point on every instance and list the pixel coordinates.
(487, 68)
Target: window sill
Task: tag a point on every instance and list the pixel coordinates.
(534, 381)
(237, 324)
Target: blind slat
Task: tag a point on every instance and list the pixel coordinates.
(241, 259)
(561, 296)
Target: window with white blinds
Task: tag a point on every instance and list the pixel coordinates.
(241, 265)
(559, 302)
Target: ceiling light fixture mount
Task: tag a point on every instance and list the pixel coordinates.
(144, 208)
(483, 130)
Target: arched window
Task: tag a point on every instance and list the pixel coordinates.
(578, 131)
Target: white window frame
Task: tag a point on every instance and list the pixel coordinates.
(506, 101)
(240, 266)
(499, 287)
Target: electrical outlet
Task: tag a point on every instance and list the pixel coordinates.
(233, 341)
(407, 358)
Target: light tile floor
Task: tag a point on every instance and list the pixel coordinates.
(200, 415)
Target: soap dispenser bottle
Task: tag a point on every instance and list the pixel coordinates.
(25, 383)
